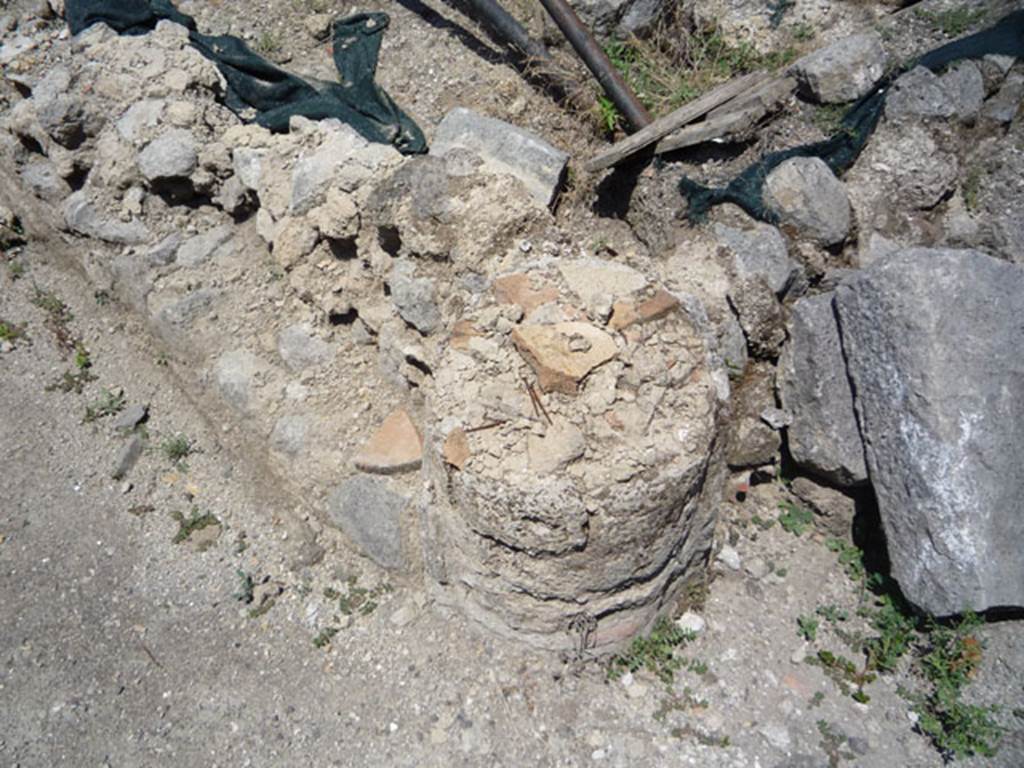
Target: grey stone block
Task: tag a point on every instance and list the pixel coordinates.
(932, 340)
(823, 437)
(369, 512)
(504, 148)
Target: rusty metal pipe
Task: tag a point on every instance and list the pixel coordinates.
(597, 62)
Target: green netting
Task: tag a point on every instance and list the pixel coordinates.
(275, 95)
(841, 150)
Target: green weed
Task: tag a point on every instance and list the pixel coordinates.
(323, 638)
(794, 519)
(176, 449)
(268, 43)
(656, 653)
(807, 627)
(610, 116)
(72, 382)
(357, 599)
(950, 660)
(12, 332)
(245, 587)
(971, 188)
(16, 270)
(832, 613)
(108, 404)
(196, 521)
(953, 22)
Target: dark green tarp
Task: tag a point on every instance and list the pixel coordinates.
(275, 95)
(841, 150)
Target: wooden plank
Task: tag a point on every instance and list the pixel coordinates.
(732, 118)
(680, 117)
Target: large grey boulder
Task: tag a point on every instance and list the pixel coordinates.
(843, 71)
(505, 149)
(932, 339)
(823, 436)
(805, 194)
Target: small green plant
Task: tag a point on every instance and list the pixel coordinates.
(971, 188)
(844, 674)
(816, 699)
(176, 449)
(72, 382)
(102, 297)
(357, 599)
(950, 660)
(324, 637)
(58, 317)
(83, 360)
(12, 332)
(896, 627)
(850, 558)
(656, 653)
(832, 613)
(808, 628)
(268, 43)
(803, 32)
(953, 22)
(16, 270)
(245, 587)
(829, 118)
(196, 521)
(108, 404)
(762, 523)
(794, 519)
(610, 117)
(832, 744)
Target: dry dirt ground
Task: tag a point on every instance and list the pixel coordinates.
(120, 646)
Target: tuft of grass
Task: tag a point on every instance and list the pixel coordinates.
(953, 22)
(674, 65)
(656, 653)
(794, 519)
(12, 332)
(971, 188)
(16, 270)
(268, 43)
(178, 448)
(196, 521)
(108, 404)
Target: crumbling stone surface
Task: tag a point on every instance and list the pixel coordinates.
(939, 399)
(570, 462)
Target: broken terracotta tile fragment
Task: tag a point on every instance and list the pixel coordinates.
(395, 447)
